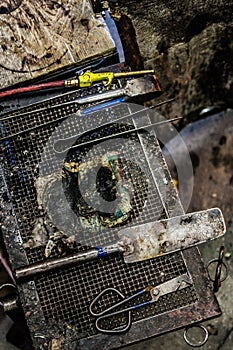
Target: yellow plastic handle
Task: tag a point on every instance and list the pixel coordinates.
(88, 78)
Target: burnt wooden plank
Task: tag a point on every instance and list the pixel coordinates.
(38, 37)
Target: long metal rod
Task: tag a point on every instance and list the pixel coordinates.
(151, 170)
(65, 117)
(111, 103)
(78, 101)
(114, 135)
(63, 104)
(32, 128)
(77, 258)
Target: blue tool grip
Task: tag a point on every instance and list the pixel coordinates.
(102, 253)
(142, 304)
(102, 106)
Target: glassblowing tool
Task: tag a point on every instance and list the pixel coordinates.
(86, 111)
(61, 142)
(134, 88)
(84, 80)
(145, 241)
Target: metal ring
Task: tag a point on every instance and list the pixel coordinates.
(200, 343)
(216, 260)
(5, 285)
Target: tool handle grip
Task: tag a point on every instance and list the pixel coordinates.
(31, 88)
(88, 78)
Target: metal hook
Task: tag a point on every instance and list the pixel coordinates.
(217, 279)
(101, 315)
(199, 344)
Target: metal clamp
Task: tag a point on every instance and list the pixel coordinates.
(217, 279)
(200, 343)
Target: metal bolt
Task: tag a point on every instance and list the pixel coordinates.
(156, 291)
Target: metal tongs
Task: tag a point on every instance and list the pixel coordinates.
(156, 292)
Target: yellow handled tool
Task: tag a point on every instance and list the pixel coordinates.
(84, 80)
(88, 78)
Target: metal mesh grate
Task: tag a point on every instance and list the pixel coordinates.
(65, 295)
(23, 153)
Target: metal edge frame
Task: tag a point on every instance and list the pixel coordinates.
(9, 227)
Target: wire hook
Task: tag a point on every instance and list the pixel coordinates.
(217, 281)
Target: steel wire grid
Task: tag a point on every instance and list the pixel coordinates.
(23, 153)
(65, 295)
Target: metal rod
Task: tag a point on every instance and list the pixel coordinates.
(114, 135)
(130, 74)
(77, 258)
(102, 96)
(151, 170)
(142, 242)
(39, 110)
(107, 104)
(78, 101)
(33, 128)
(65, 117)
(16, 112)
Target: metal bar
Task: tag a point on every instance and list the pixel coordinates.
(51, 264)
(113, 135)
(149, 165)
(79, 101)
(112, 103)
(91, 141)
(157, 238)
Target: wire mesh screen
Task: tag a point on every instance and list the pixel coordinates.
(32, 146)
(66, 296)
(23, 147)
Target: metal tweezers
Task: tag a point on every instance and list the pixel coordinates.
(170, 286)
